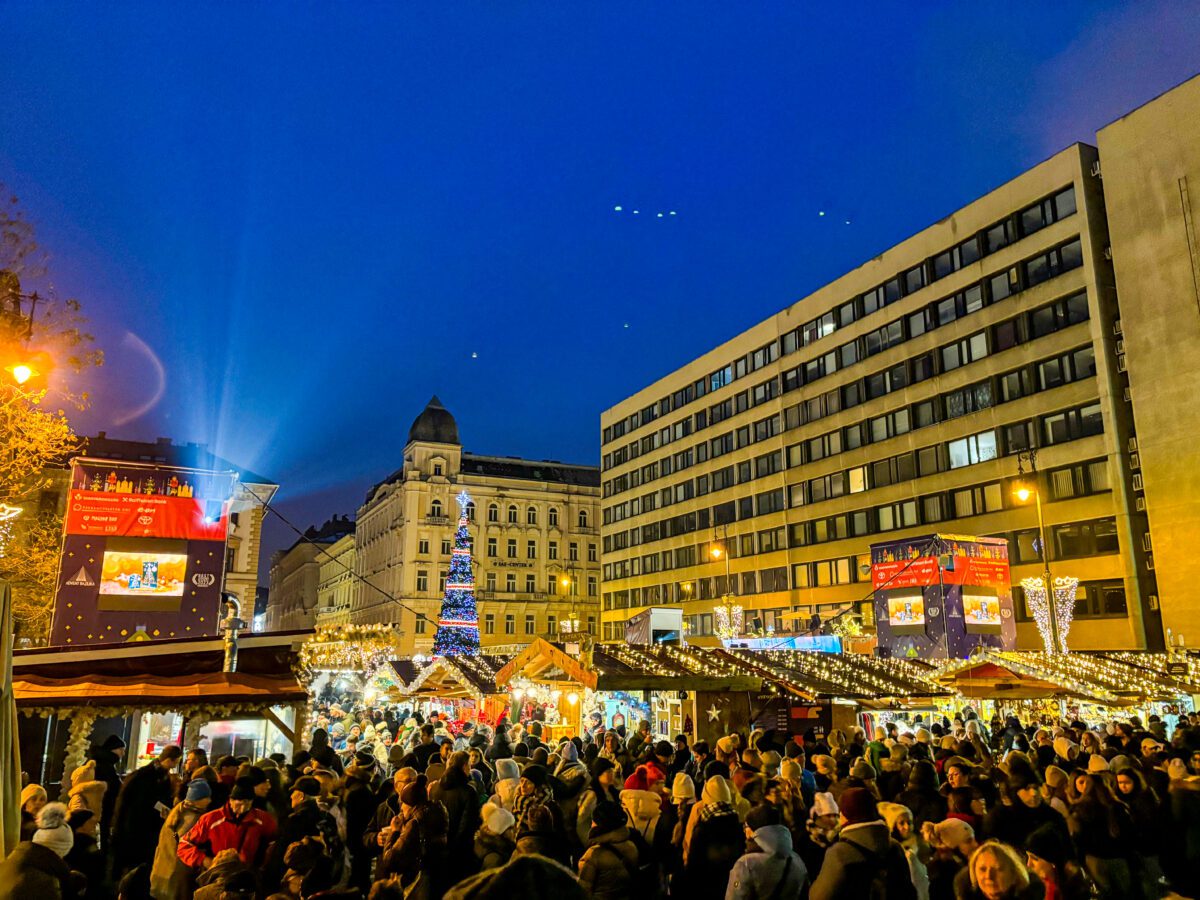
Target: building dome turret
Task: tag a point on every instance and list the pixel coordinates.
(435, 425)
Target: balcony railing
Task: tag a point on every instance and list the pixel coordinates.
(436, 520)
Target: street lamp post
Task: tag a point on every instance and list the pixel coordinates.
(732, 625)
(1023, 492)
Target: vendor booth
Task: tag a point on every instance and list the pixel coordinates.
(1088, 686)
(155, 693)
(806, 691)
(461, 688)
(615, 685)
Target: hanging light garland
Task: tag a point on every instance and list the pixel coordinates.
(1064, 590)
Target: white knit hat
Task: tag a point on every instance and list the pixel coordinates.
(823, 805)
(53, 832)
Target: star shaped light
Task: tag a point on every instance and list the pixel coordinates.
(714, 714)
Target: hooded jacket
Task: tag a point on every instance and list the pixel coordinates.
(851, 864)
(508, 776)
(607, 869)
(775, 871)
(643, 809)
(87, 793)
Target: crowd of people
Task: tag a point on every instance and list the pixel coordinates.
(927, 810)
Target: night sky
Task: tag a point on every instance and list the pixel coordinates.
(292, 223)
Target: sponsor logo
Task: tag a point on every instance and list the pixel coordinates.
(81, 579)
(204, 579)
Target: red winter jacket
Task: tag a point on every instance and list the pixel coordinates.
(220, 830)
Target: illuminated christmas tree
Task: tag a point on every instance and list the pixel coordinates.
(458, 626)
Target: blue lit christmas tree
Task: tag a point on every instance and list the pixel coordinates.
(458, 626)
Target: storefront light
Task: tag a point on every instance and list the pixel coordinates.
(572, 698)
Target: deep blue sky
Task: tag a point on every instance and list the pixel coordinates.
(313, 214)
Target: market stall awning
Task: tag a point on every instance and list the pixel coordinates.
(618, 667)
(1108, 679)
(812, 675)
(454, 676)
(150, 691)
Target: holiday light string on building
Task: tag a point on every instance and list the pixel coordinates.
(458, 625)
(1064, 590)
(728, 621)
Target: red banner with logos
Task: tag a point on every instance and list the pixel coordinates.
(106, 514)
(923, 571)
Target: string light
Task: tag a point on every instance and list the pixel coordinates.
(1065, 589)
(458, 626)
(728, 621)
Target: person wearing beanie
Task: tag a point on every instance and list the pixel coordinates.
(169, 877)
(1051, 858)
(419, 843)
(769, 867)
(35, 868)
(1013, 823)
(826, 771)
(899, 821)
(603, 787)
(922, 795)
(87, 793)
(643, 800)
(33, 798)
(771, 761)
(456, 792)
(235, 826)
(713, 842)
(877, 749)
(607, 867)
(359, 802)
(508, 776)
(533, 791)
(137, 816)
(53, 832)
(496, 839)
(109, 757)
(864, 854)
(1097, 764)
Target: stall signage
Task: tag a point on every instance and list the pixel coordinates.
(1177, 668)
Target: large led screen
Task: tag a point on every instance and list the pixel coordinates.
(146, 573)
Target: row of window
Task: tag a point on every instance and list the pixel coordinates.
(1072, 540)
(1002, 336)
(1054, 428)
(1047, 430)
(530, 624)
(1034, 377)
(531, 549)
(1046, 211)
(583, 520)
(510, 583)
(1093, 599)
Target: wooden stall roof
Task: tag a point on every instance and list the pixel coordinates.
(1111, 679)
(153, 691)
(454, 676)
(813, 675)
(616, 667)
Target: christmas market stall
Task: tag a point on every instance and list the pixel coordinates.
(1088, 686)
(463, 688)
(153, 693)
(577, 687)
(352, 664)
(805, 689)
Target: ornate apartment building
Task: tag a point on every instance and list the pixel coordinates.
(310, 578)
(902, 398)
(534, 526)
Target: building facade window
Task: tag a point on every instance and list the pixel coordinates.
(493, 513)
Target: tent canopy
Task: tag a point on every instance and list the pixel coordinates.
(154, 691)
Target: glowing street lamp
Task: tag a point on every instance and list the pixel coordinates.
(1048, 595)
(21, 372)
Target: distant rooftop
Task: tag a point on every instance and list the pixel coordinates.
(191, 455)
(530, 469)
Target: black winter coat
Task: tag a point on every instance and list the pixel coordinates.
(136, 821)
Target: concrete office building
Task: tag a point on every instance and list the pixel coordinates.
(901, 398)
